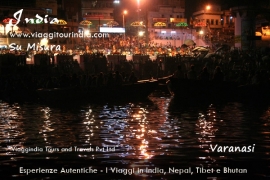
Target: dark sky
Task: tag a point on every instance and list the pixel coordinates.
(193, 5)
(131, 5)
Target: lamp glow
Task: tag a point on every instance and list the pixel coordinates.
(141, 33)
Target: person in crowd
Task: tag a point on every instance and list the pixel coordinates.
(205, 75)
(218, 75)
(257, 78)
(110, 80)
(75, 81)
(179, 74)
(192, 74)
(118, 79)
(64, 80)
(50, 83)
(132, 78)
(100, 80)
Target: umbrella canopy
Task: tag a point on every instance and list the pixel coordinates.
(212, 55)
(86, 23)
(7, 20)
(137, 23)
(61, 22)
(200, 49)
(189, 42)
(160, 24)
(112, 23)
(181, 24)
(184, 46)
(224, 47)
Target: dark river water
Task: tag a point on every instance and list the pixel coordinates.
(156, 138)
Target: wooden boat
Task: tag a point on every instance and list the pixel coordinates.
(197, 89)
(141, 89)
(59, 95)
(254, 93)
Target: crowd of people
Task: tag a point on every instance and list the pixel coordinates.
(243, 67)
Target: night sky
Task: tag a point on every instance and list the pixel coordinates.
(194, 5)
(131, 5)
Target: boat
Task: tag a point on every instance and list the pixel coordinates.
(140, 89)
(254, 92)
(198, 89)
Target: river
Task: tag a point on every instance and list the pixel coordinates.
(156, 138)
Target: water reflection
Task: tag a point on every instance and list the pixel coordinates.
(153, 134)
(11, 129)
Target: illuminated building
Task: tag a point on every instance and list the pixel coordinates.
(98, 12)
(163, 20)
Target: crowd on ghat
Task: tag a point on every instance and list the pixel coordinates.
(243, 67)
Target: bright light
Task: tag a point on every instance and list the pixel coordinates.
(86, 32)
(173, 32)
(141, 33)
(125, 12)
(208, 7)
(163, 32)
(44, 42)
(201, 32)
(112, 30)
(116, 1)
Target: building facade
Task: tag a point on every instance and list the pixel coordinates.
(50, 6)
(98, 12)
(214, 25)
(163, 19)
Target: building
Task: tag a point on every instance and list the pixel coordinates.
(241, 26)
(70, 11)
(210, 18)
(170, 12)
(99, 13)
(214, 25)
(167, 22)
(50, 6)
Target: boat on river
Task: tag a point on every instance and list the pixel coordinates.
(140, 89)
(184, 89)
(197, 89)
